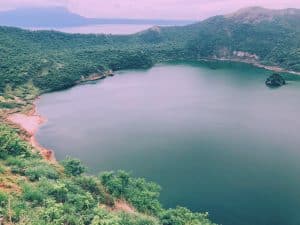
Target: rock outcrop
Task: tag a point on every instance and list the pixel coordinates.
(275, 80)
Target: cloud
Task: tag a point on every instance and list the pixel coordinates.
(169, 9)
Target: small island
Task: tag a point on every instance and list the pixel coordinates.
(275, 80)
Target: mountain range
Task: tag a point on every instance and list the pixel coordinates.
(57, 17)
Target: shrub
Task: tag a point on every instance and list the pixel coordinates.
(137, 219)
(103, 217)
(59, 191)
(141, 194)
(183, 216)
(73, 167)
(34, 167)
(3, 203)
(90, 184)
(53, 212)
(2, 169)
(33, 194)
(11, 144)
(42, 170)
(81, 201)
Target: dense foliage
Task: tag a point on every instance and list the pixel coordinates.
(140, 193)
(10, 144)
(34, 191)
(73, 167)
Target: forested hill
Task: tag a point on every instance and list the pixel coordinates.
(52, 60)
(271, 37)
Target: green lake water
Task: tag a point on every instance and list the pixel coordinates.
(211, 134)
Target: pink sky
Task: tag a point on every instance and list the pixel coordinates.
(165, 9)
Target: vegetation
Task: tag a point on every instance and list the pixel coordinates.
(34, 191)
(45, 60)
(44, 193)
(73, 166)
(275, 80)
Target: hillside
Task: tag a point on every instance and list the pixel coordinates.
(35, 191)
(271, 37)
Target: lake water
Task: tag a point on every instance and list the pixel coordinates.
(211, 134)
(100, 29)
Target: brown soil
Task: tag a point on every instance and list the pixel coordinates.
(29, 122)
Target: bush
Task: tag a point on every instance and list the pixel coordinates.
(183, 216)
(141, 194)
(59, 191)
(34, 168)
(33, 194)
(90, 184)
(103, 217)
(43, 170)
(73, 167)
(3, 203)
(82, 201)
(2, 169)
(11, 144)
(137, 219)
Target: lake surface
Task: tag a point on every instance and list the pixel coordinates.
(211, 134)
(100, 29)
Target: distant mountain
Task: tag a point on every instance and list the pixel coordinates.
(259, 14)
(254, 34)
(57, 17)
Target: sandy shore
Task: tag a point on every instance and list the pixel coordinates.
(30, 122)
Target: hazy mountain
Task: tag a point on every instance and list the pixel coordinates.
(259, 14)
(61, 17)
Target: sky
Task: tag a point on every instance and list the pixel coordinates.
(158, 9)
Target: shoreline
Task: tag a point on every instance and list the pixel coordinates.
(30, 122)
(257, 64)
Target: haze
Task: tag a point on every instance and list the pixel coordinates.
(163, 9)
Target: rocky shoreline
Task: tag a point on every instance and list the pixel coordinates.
(96, 76)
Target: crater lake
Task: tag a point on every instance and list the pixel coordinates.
(211, 134)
